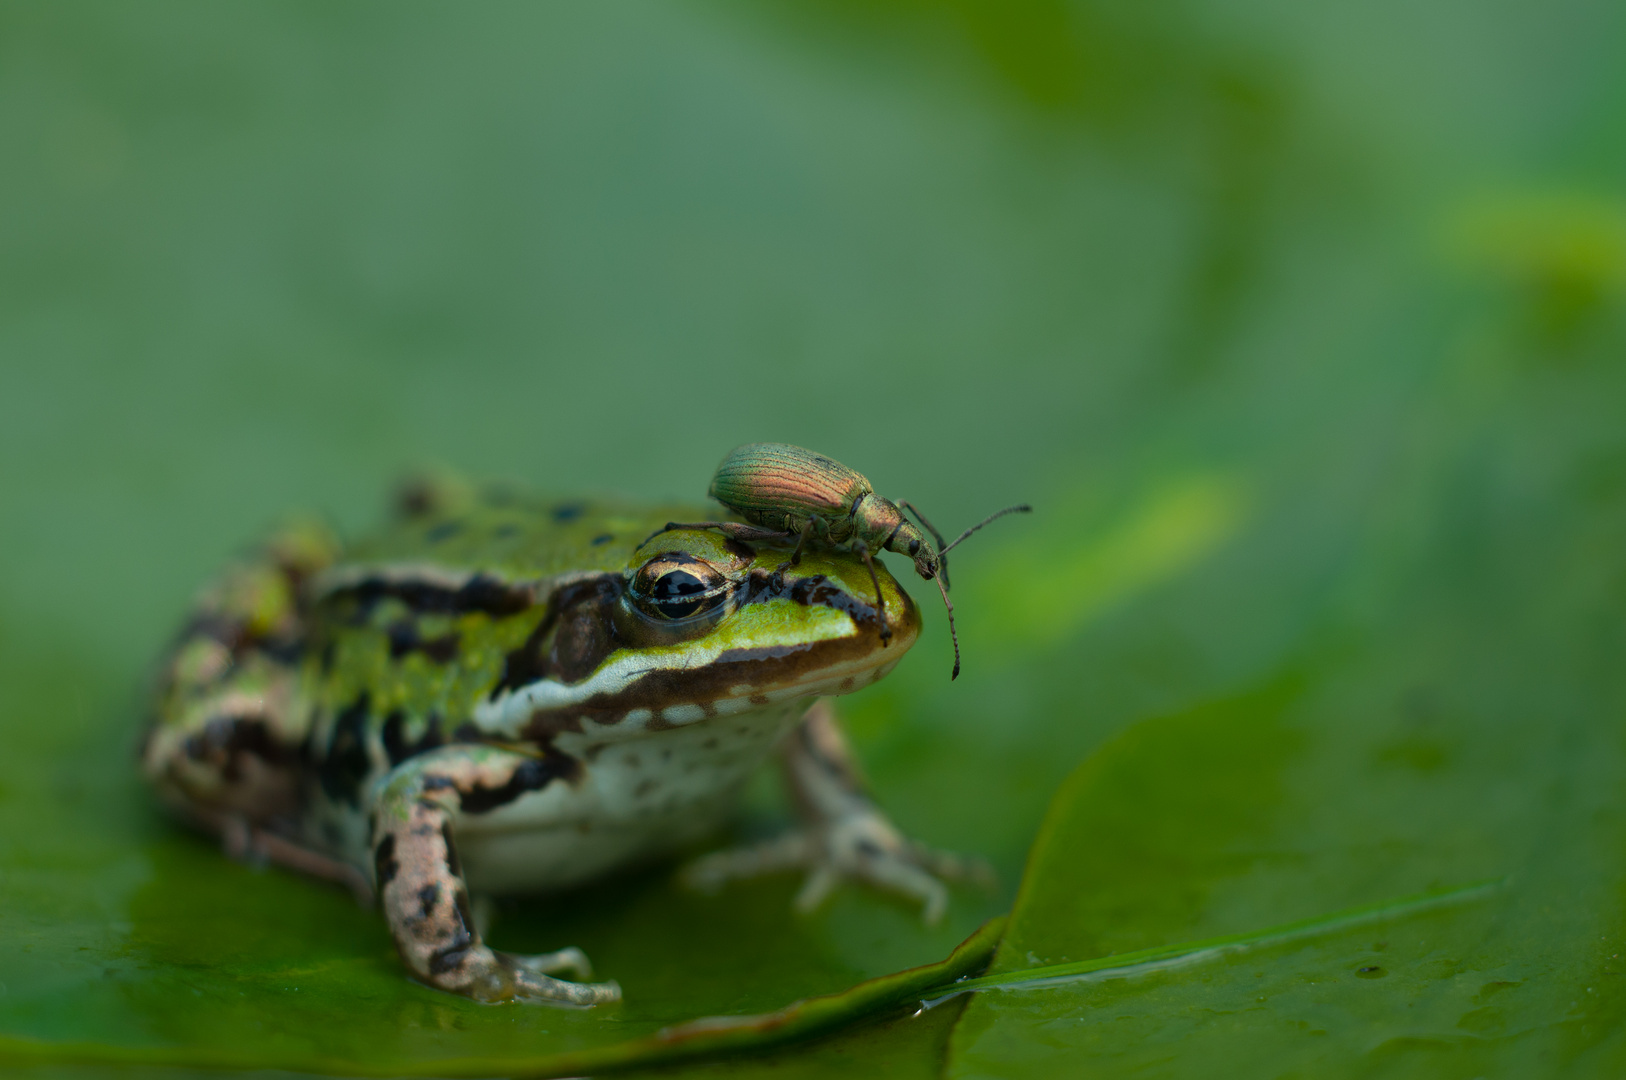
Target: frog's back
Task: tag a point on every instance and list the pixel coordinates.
(424, 622)
(504, 532)
(334, 663)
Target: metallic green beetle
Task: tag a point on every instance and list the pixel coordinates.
(791, 493)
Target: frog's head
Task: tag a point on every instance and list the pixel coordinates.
(690, 625)
(721, 620)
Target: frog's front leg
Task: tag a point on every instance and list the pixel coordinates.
(421, 887)
(845, 835)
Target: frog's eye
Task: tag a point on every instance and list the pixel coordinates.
(678, 594)
(676, 585)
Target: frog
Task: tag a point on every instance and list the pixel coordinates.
(504, 692)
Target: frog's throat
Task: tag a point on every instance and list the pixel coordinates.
(641, 690)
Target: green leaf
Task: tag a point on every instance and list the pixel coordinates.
(699, 1038)
(1187, 954)
(1455, 729)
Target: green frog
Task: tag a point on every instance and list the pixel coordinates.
(505, 693)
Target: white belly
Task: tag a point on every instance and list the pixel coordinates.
(641, 794)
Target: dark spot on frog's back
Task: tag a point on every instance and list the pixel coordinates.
(346, 763)
(601, 539)
(443, 531)
(569, 511)
(416, 498)
(404, 639)
(479, 594)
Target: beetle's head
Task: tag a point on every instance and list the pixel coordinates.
(881, 522)
(908, 540)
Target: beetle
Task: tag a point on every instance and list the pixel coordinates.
(790, 493)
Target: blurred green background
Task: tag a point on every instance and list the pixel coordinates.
(1302, 326)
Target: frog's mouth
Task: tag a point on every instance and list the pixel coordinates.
(782, 638)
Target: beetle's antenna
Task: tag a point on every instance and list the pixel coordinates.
(955, 638)
(942, 563)
(1020, 508)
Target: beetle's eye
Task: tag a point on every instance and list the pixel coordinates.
(914, 547)
(676, 585)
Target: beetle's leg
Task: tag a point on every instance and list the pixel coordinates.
(421, 886)
(880, 603)
(796, 556)
(801, 542)
(845, 835)
(734, 530)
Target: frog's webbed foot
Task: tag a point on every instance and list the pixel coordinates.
(426, 900)
(861, 846)
(488, 975)
(845, 835)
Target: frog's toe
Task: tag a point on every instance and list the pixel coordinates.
(490, 976)
(952, 866)
(894, 874)
(525, 978)
(710, 873)
(861, 847)
(571, 959)
(543, 989)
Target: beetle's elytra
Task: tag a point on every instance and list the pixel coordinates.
(791, 493)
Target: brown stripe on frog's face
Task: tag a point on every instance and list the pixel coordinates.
(698, 627)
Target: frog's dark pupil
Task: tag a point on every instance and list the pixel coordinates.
(673, 592)
(676, 583)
